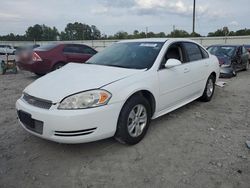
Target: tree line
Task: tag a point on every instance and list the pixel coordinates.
(81, 31)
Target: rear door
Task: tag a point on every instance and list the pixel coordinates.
(198, 60)
(174, 82)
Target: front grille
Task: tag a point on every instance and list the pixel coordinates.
(40, 103)
(30, 123)
(75, 133)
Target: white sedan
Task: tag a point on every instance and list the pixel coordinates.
(118, 91)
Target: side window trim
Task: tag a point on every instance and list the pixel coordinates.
(184, 55)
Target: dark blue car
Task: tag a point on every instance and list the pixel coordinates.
(232, 58)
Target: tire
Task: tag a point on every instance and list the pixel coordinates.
(209, 89)
(234, 73)
(247, 67)
(130, 117)
(58, 66)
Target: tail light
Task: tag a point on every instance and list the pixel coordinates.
(36, 57)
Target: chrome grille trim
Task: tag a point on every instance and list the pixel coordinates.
(34, 101)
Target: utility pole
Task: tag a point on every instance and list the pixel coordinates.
(194, 7)
(146, 32)
(173, 30)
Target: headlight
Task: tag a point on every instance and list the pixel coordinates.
(87, 99)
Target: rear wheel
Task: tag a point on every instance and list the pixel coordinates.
(133, 121)
(209, 89)
(247, 66)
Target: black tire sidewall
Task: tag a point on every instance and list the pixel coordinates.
(205, 97)
(122, 134)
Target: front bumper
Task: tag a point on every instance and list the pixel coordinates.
(73, 126)
(227, 72)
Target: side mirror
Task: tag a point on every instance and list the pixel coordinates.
(172, 63)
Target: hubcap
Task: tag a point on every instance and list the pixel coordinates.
(210, 87)
(137, 120)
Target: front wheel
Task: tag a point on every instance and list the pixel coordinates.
(209, 89)
(133, 121)
(247, 66)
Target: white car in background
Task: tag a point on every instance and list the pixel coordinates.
(118, 91)
(7, 49)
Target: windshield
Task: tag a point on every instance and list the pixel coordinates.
(133, 55)
(227, 51)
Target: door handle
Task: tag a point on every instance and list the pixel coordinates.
(206, 64)
(186, 70)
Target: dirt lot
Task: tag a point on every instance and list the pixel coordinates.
(199, 145)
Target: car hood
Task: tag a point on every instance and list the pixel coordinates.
(74, 78)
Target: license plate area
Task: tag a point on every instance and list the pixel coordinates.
(30, 123)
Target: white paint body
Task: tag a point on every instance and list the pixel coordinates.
(6, 49)
(171, 88)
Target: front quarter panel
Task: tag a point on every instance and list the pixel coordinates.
(125, 88)
(215, 67)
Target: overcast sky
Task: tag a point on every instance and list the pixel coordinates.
(111, 16)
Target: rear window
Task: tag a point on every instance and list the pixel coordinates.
(204, 53)
(46, 47)
(193, 51)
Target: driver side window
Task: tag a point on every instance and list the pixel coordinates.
(173, 52)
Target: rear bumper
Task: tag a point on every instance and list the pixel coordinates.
(35, 67)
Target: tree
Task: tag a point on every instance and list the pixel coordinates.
(96, 33)
(34, 32)
(179, 33)
(220, 32)
(41, 32)
(195, 35)
(80, 31)
(121, 35)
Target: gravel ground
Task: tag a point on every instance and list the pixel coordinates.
(199, 145)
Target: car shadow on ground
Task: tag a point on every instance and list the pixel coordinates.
(102, 145)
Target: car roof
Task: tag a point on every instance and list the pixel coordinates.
(226, 45)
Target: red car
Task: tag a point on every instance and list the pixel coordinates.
(50, 57)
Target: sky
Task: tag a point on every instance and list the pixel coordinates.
(111, 16)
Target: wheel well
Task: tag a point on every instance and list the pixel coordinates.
(150, 98)
(214, 75)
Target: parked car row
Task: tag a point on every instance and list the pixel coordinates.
(116, 92)
(7, 49)
(232, 58)
(47, 58)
